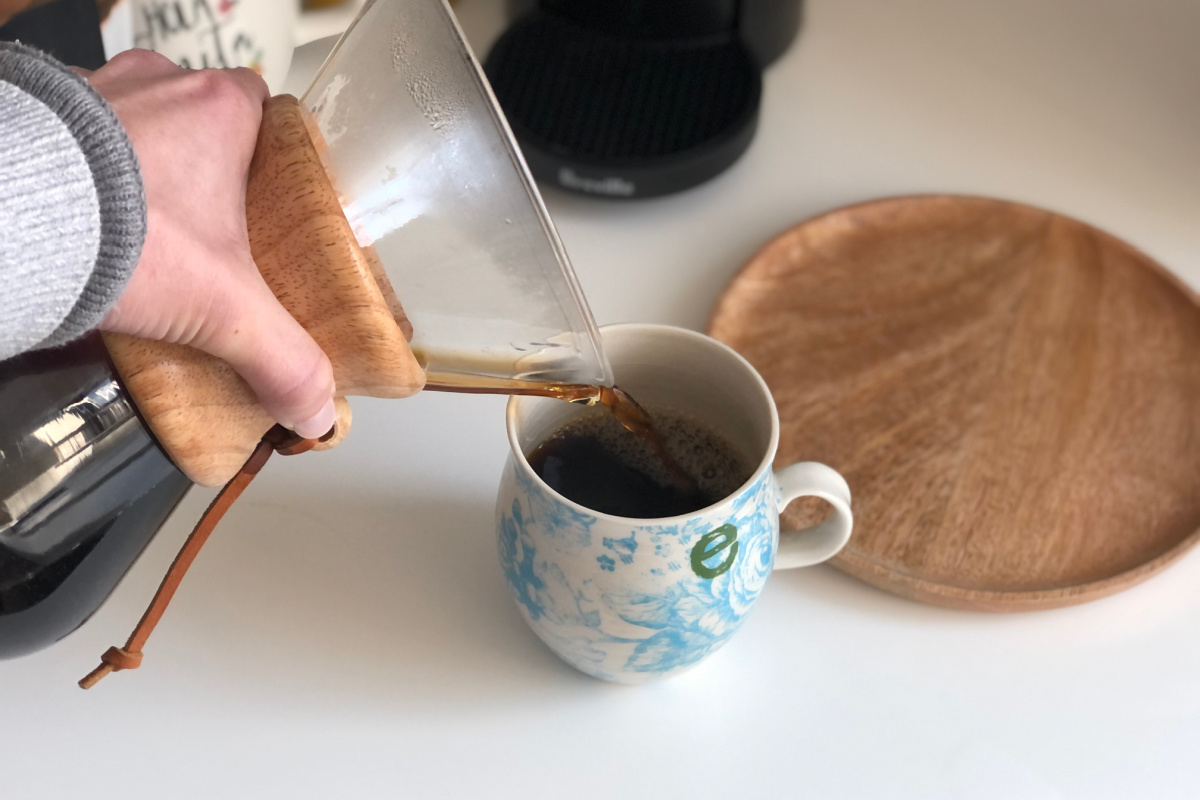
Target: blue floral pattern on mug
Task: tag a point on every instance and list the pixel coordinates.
(649, 601)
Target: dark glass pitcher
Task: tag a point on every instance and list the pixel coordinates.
(83, 489)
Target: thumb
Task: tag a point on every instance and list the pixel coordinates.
(287, 370)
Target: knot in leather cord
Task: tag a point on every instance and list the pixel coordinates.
(114, 659)
(119, 658)
(277, 440)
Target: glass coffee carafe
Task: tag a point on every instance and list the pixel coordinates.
(440, 233)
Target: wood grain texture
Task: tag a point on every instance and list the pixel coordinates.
(202, 413)
(1013, 396)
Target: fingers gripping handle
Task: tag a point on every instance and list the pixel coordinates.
(201, 411)
(823, 541)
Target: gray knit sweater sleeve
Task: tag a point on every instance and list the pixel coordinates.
(72, 209)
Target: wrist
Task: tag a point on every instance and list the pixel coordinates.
(120, 206)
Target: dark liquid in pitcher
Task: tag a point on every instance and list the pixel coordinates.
(83, 488)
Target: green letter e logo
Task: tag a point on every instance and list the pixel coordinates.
(712, 544)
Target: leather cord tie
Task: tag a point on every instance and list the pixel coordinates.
(277, 440)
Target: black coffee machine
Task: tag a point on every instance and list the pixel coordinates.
(636, 98)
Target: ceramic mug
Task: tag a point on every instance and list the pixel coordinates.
(220, 33)
(628, 599)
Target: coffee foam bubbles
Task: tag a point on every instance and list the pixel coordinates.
(716, 466)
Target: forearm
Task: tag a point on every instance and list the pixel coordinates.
(72, 211)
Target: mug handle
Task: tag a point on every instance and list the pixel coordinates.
(824, 540)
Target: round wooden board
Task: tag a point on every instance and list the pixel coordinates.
(1013, 396)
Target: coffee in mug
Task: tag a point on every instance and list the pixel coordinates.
(645, 589)
(595, 461)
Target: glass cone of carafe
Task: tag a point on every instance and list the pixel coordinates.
(435, 188)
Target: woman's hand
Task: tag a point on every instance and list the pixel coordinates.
(194, 133)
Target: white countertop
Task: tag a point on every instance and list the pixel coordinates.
(347, 632)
